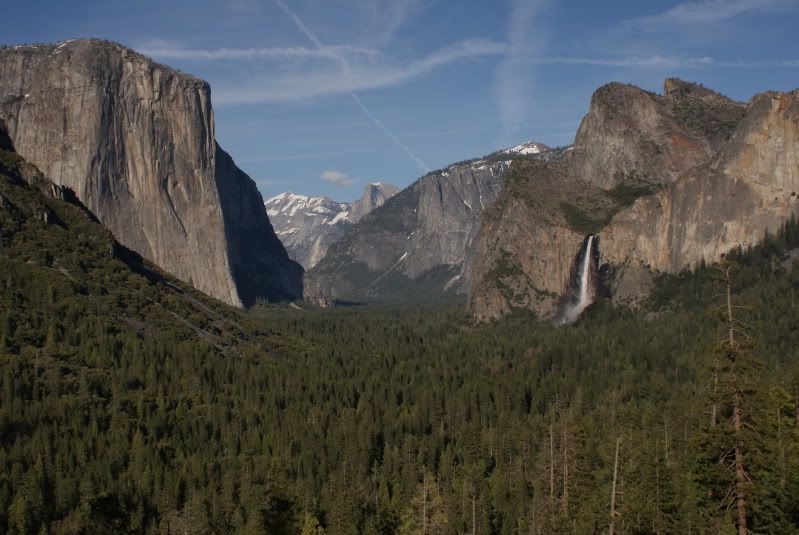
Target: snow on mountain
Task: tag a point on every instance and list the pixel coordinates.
(287, 205)
(527, 148)
(308, 225)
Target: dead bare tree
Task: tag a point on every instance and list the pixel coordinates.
(613, 512)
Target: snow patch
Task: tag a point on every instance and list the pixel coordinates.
(341, 216)
(527, 148)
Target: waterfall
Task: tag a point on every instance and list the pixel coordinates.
(584, 277)
(585, 293)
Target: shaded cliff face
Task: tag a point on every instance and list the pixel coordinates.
(135, 141)
(418, 246)
(307, 226)
(665, 181)
(259, 262)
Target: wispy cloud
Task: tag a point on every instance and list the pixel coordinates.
(310, 155)
(394, 15)
(514, 78)
(665, 62)
(342, 180)
(353, 77)
(347, 78)
(296, 52)
(346, 68)
(705, 12)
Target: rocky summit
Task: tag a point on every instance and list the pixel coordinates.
(308, 225)
(664, 182)
(135, 141)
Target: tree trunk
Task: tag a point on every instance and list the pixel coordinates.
(565, 497)
(737, 418)
(714, 408)
(612, 525)
(424, 504)
(782, 448)
(729, 312)
(740, 473)
(551, 465)
(474, 518)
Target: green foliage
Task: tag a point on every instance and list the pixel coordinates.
(582, 221)
(311, 526)
(627, 192)
(590, 218)
(712, 118)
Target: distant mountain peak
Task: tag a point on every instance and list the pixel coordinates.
(527, 148)
(307, 225)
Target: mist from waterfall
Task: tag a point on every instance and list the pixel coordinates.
(585, 293)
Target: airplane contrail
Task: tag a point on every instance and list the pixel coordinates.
(345, 64)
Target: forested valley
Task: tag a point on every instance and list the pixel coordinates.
(130, 403)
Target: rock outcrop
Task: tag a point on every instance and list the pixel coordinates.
(419, 245)
(135, 141)
(307, 226)
(374, 196)
(665, 181)
(631, 134)
(748, 189)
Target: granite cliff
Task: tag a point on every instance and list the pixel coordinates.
(663, 181)
(749, 188)
(135, 141)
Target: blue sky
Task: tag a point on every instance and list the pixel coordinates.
(324, 96)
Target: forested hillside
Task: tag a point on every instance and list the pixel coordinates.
(132, 404)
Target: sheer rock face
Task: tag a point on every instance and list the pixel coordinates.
(418, 245)
(749, 188)
(135, 141)
(719, 174)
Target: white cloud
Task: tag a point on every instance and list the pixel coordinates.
(706, 12)
(632, 62)
(296, 52)
(514, 77)
(338, 178)
(351, 76)
(309, 155)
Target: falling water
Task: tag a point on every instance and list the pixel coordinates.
(584, 278)
(585, 293)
